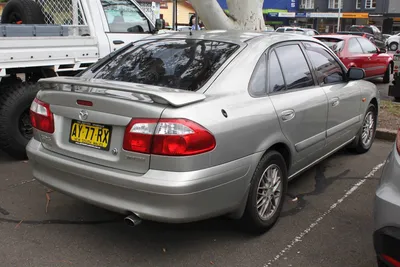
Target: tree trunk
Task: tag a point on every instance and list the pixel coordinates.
(243, 14)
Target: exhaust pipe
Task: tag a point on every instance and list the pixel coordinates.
(132, 220)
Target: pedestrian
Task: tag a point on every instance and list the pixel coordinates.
(192, 23)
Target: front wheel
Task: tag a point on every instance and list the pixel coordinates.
(15, 126)
(267, 193)
(388, 73)
(393, 46)
(367, 132)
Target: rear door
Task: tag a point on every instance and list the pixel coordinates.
(124, 23)
(355, 56)
(301, 106)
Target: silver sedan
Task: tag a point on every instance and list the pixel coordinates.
(183, 127)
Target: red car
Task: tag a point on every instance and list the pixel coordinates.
(356, 51)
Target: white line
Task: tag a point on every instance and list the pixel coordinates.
(299, 238)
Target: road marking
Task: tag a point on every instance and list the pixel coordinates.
(299, 238)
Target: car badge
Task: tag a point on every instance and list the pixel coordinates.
(83, 115)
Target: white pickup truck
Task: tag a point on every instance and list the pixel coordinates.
(47, 38)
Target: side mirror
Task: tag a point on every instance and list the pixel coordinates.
(355, 74)
(160, 24)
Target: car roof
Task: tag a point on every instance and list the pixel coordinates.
(338, 36)
(233, 36)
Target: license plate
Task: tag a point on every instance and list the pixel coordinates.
(90, 134)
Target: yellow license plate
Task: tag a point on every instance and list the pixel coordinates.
(89, 134)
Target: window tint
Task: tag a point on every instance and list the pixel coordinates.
(276, 82)
(280, 30)
(326, 67)
(123, 16)
(294, 66)
(181, 64)
(367, 46)
(354, 46)
(290, 30)
(258, 79)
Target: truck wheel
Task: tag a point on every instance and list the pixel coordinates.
(15, 125)
(22, 12)
(393, 46)
(388, 73)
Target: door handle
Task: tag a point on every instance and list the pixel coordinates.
(287, 115)
(335, 102)
(118, 42)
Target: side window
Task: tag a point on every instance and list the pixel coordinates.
(355, 47)
(258, 79)
(123, 16)
(326, 68)
(276, 82)
(280, 30)
(297, 74)
(367, 46)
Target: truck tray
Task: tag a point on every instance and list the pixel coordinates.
(12, 30)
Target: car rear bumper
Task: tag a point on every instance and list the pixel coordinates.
(188, 196)
(387, 210)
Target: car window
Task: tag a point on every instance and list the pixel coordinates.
(290, 30)
(333, 43)
(295, 69)
(326, 68)
(280, 30)
(175, 63)
(259, 78)
(276, 82)
(122, 16)
(367, 46)
(354, 47)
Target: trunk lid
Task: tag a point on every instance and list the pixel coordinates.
(91, 116)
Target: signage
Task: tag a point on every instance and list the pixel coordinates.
(323, 15)
(293, 5)
(355, 15)
(287, 15)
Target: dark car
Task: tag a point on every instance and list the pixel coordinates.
(373, 34)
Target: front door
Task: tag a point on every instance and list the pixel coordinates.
(124, 23)
(344, 99)
(301, 106)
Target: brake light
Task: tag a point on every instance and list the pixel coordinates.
(168, 137)
(41, 116)
(390, 260)
(398, 141)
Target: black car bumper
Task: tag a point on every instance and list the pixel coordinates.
(387, 245)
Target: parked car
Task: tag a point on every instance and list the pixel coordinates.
(392, 43)
(373, 32)
(180, 127)
(356, 51)
(306, 31)
(387, 211)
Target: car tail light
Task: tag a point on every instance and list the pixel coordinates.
(398, 141)
(391, 261)
(168, 137)
(41, 116)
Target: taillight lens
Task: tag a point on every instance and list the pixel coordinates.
(391, 261)
(398, 141)
(168, 137)
(41, 116)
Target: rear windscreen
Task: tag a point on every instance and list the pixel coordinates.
(362, 29)
(175, 63)
(335, 44)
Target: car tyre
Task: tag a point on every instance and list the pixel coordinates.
(366, 135)
(380, 262)
(24, 11)
(397, 99)
(267, 193)
(388, 73)
(393, 46)
(15, 125)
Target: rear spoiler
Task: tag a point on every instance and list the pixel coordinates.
(161, 95)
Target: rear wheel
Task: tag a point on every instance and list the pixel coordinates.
(388, 73)
(393, 46)
(15, 126)
(267, 192)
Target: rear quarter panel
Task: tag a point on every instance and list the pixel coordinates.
(251, 124)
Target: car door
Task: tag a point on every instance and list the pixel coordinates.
(124, 23)
(301, 106)
(355, 56)
(376, 66)
(344, 98)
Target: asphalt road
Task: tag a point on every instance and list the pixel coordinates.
(327, 221)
